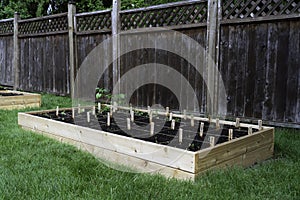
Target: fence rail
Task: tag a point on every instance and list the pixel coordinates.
(257, 45)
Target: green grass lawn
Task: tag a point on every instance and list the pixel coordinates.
(35, 167)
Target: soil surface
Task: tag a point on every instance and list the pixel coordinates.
(140, 128)
(8, 94)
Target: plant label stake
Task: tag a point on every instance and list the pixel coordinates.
(230, 134)
(73, 112)
(79, 110)
(180, 135)
(217, 123)
(212, 141)
(237, 122)
(184, 114)
(167, 111)
(170, 116)
(94, 110)
(201, 129)
(132, 115)
(99, 106)
(250, 130)
(111, 110)
(149, 109)
(192, 121)
(151, 128)
(128, 124)
(115, 108)
(173, 124)
(57, 110)
(150, 116)
(88, 117)
(260, 125)
(108, 119)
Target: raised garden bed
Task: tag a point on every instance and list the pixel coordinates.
(167, 152)
(10, 99)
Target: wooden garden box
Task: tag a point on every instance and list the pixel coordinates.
(150, 157)
(20, 100)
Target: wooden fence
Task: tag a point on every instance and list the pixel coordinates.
(255, 43)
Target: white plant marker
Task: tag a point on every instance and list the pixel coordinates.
(94, 110)
(57, 110)
(88, 117)
(230, 134)
(250, 130)
(108, 119)
(212, 141)
(130, 109)
(237, 123)
(201, 132)
(128, 124)
(170, 116)
(167, 111)
(184, 114)
(132, 115)
(150, 116)
(151, 128)
(180, 135)
(111, 110)
(115, 106)
(79, 109)
(192, 121)
(260, 127)
(173, 124)
(99, 106)
(149, 109)
(73, 112)
(217, 123)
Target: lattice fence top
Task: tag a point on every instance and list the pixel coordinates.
(172, 15)
(51, 24)
(234, 9)
(94, 21)
(7, 27)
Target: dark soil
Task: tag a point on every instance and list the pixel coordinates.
(166, 136)
(5, 94)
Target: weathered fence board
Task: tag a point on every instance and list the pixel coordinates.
(6, 58)
(260, 68)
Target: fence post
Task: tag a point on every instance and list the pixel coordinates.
(116, 28)
(213, 31)
(72, 57)
(16, 53)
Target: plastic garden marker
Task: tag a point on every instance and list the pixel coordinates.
(79, 110)
(250, 130)
(73, 112)
(180, 135)
(108, 119)
(167, 111)
(128, 124)
(99, 106)
(184, 114)
(260, 125)
(57, 110)
(132, 115)
(217, 123)
(192, 121)
(212, 141)
(149, 109)
(170, 116)
(150, 116)
(94, 110)
(151, 128)
(237, 122)
(201, 129)
(230, 134)
(88, 117)
(173, 124)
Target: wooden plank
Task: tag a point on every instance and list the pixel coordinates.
(22, 101)
(230, 150)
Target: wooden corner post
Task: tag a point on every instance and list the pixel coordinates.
(16, 53)
(116, 28)
(213, 30)
(72, 57)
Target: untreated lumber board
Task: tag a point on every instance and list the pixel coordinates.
(19, 102)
